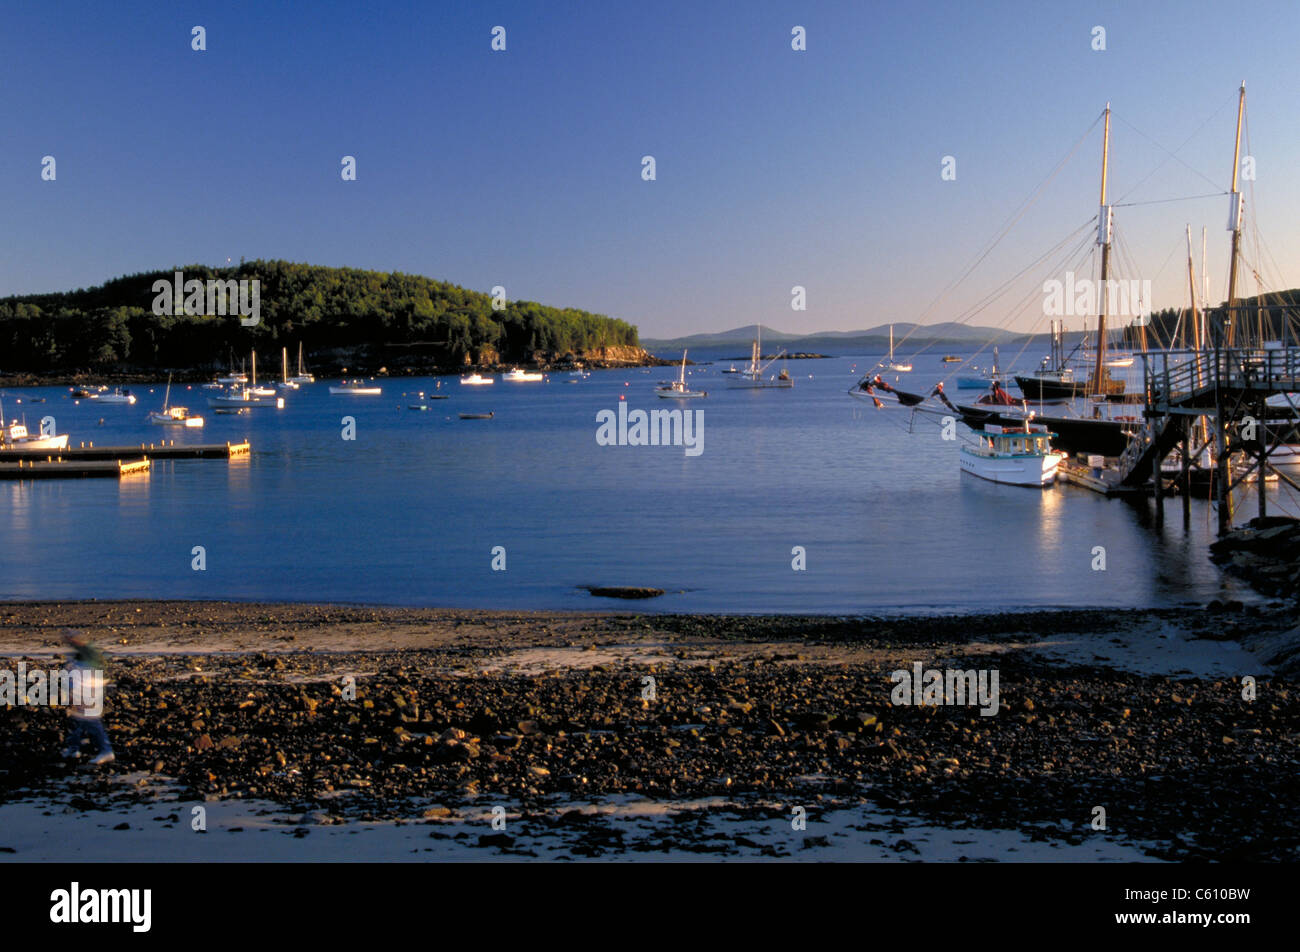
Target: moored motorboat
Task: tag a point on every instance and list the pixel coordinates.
(1015, 456)
(476, 380)
(118, 397)
(15, 436)
(522, 376)
(357, 387)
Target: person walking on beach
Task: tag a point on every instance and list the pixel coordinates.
(87, 722)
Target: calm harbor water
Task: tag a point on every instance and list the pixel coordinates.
(410, 511)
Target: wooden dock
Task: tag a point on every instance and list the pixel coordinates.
(60, 469)
(165, 450)
(1104, 479)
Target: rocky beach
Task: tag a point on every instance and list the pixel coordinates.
(450, 734)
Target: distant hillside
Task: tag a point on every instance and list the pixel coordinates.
(343, 316)
(869, 339)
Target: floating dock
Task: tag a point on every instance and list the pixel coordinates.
(1100, 479)
(147, 451)
(58, 469)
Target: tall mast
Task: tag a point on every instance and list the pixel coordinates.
(1104, 221)
(1196, 311)
(1235, 215)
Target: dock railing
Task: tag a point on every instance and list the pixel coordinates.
(1175, 375)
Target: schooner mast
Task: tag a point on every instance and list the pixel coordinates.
(1235, 216)
(1099, 383)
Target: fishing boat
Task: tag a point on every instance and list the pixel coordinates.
(117, 397)
(357, 387)
(286, 382)
(1054, 379)
(521, 376)
(1015, 456)
(15, 436)
(476, 380)
(977, 378)
(890, 362)
(173, 416)
(301, 376)
(677, 389)
(751, 377)
(476, 416)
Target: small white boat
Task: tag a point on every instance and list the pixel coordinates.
(232, 379)
(1120, 362)
(677, 389)
(521, 376)
(173, 416)
(118, 396)
(15, 436)
(476, 380)
(302, 376)
(357, 387)
(1015, 456)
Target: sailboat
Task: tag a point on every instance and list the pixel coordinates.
(238, 397)
(285, 382)
(891, 363)
(173, 416)
(254, 389)
(751, 378)
(677, 389)
(302, 376)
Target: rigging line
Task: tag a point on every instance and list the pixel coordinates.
(1081, 254)
(1165, 201)
(1080, 251)
(1013, 313)
(1172, 155)
(1010, 223)
(1003, 288)
(996, 293)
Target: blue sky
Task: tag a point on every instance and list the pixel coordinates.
(775, 168)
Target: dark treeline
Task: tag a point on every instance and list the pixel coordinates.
(113, 326)
(1279, 309)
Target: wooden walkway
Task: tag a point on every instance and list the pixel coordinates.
(72, 470)
(142, 451)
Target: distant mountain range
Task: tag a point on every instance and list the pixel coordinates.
(871, 339)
